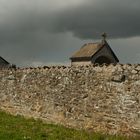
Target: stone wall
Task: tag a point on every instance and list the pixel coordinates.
(98, 98)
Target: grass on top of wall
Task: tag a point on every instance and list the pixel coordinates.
(19, 128)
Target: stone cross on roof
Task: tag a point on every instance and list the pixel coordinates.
(104, 35)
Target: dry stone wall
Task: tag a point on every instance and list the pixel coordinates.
(99, 98)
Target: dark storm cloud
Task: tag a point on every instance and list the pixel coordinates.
(25, 31)
(86, 20)
(119, 18)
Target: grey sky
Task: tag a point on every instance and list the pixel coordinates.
(39, 32)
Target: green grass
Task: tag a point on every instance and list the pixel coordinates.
(19, 128)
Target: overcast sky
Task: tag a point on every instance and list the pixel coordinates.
(42, 32)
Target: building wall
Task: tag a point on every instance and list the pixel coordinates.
(105, 99)
(104, 52)
(81, 63)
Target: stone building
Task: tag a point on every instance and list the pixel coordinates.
(94, 53)
(4, 63)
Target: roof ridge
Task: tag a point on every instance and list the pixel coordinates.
(87, 50)
(4, 60)
(96, 43)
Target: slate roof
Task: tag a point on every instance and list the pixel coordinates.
(3, 61)
(90, 49)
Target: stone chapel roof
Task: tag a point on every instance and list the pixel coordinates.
(3, 60)
(88, 50)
